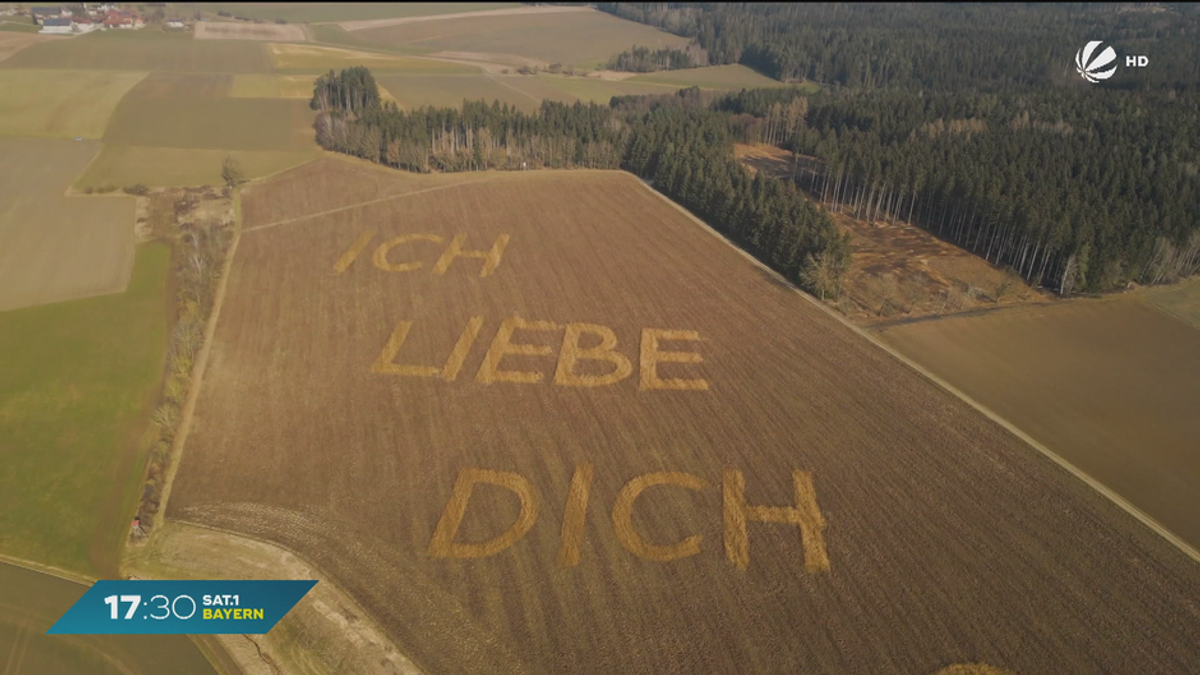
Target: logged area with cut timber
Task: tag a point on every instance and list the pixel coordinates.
(544, 422)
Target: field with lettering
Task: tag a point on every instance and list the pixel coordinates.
(532, 423)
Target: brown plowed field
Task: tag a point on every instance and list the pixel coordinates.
(923, 535)
(1112, 385)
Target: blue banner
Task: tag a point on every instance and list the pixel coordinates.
(150, 607)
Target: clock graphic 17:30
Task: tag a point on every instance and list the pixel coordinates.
(158, 607)
(161, 607)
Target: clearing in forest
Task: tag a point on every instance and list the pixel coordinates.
(898, 271)
(540, 411)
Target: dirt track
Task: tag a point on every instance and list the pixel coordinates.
(948, 540)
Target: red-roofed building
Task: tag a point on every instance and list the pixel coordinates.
(125, 18)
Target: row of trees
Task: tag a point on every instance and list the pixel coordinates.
(1074, 191)
(941, 46)
(675, 142)
(646, 60)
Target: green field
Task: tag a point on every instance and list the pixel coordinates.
(601, 91)
(299, 58)
(579, 38)
(22, 27)
(60, 103)
(145, 49)
(30, 602)
(76, 386)
(713, 77)
(1180, 300)
(415, 91)
(123, 166)
(300, 12)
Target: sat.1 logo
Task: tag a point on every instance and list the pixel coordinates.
(1095, 66)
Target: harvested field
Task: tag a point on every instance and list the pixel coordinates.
(60, 103)
(212, 123)
(176, 110)
(55, 247)
(13, 41)
(574, 37)
(212, 30)
(415, 91)
(30, 602)
(311, 12)
(900, 272)
(123, 166)
(144, 50)
(1108, 384)
(713, 77)
(346, 397)
(309, 58)
(482, 13)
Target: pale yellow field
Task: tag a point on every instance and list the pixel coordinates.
(55, 247)
(61, 103)
(293, 57)
(273, 86)
(225, 30)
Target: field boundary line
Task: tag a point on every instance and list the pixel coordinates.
(289, 221)
(210, 330)
(505, 84)
(50, 570)
(367, 24)
(329, 580)
(1164, 310)
(1091, 482)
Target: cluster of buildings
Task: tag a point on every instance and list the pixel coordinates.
(62, 21)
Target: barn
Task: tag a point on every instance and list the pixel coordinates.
(56, 26)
